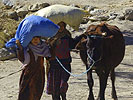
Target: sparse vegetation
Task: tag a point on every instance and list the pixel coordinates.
(7, 27)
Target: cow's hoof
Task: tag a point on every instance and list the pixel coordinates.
(115, 98)
(91, 98)
(100, 98)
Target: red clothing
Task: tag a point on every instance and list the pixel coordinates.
(62, 50)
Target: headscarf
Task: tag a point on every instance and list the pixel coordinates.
(42, 49)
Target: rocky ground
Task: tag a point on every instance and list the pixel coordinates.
(78, 89)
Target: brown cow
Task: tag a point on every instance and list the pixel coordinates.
(104, 45)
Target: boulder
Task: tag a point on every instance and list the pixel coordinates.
(5, 54)
(22, 12)
(8, 4)
(129, 14)
(13, 15)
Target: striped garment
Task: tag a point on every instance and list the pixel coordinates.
(57, 79)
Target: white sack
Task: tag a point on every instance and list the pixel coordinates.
(57, 13)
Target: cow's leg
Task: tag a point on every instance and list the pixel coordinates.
(90, 84)
(56, 97)
(112, 75)
(103, 76)
(83, 55)
(63, 95)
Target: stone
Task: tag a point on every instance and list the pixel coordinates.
(5, 54)
(8, 4)
(129, 14)
(13, 15)
(22, 12)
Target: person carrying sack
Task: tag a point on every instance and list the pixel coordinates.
(32, 79)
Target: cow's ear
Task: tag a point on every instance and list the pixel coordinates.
(105, 28)
(104, 34)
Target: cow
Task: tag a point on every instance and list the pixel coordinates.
(102, 47)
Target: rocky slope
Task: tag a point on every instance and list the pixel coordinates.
(116, 12)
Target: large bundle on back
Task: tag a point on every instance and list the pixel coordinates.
(57, 13)
(33, 26)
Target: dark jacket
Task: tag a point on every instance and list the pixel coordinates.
(62, 50)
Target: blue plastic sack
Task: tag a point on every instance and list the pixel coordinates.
(33, 26)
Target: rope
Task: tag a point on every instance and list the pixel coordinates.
(76, 75)
(10, 74)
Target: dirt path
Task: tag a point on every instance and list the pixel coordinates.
(78, 89)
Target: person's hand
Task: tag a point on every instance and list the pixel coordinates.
(19, 44)
(52, 42)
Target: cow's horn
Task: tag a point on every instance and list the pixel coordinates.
(104, 34)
